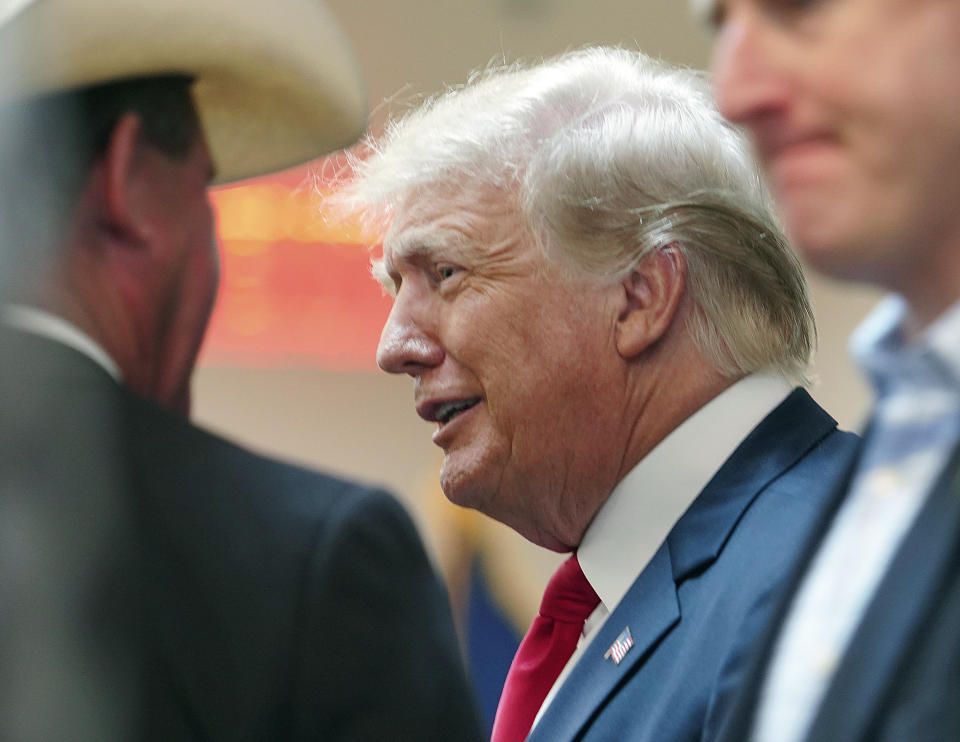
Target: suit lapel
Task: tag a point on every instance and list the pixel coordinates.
(653, 609)
(894, 616)
(650, 609)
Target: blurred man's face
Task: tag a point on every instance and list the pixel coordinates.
(854, 107)
(193, 271)
(510, 360)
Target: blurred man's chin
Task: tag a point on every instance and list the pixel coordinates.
(835, 255)
(824, 241)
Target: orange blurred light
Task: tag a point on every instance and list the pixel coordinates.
(296, 286)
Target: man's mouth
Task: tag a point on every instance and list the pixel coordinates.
(446, 411)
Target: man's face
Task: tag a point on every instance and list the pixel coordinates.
(854, 107)
(514, 363)
(193, 272)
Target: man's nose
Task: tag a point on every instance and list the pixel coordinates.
(407, 343)
(745, 82)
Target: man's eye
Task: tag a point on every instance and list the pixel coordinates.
(792, 8)
(709, 13)
(446, 271)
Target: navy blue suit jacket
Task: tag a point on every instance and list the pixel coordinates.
(698, 608)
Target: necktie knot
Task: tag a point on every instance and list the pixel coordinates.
(569, 596)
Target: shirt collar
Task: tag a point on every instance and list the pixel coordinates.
(891, 360)
(645, 505)
(40, 322)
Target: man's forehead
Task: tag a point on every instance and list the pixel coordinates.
(422, 227)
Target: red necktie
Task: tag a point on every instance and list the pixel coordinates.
(548, 645)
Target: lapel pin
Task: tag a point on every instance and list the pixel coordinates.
(620, 647)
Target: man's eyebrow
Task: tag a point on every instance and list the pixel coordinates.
(411, 251)
(381, 274)
(417, 247)
(414, 246)
(408, 248)
(414, 252)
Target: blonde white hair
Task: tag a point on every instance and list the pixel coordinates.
(609, 155)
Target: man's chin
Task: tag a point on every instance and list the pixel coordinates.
(832, 242)
(836, 258)
(462, 488)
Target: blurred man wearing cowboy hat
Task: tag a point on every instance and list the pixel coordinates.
(158, 582)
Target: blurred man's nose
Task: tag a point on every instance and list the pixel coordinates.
(406, 347)
(746, 86)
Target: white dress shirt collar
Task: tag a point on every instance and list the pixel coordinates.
(43, 323)
(646, 504)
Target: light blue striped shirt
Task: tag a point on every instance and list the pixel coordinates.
(916, 426)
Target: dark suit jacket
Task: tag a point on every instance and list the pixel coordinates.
(272, 603)
(899, 680)
(699, 606)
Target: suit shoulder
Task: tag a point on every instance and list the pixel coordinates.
(829, 458)
(202, 471)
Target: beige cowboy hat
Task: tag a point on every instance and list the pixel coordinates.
(276, 81)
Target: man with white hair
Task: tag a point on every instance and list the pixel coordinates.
(853, 108)
(158, 582)
(602, 318)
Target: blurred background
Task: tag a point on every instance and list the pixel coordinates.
(288, 366)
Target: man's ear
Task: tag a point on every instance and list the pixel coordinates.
(652, 293)
(125, 202)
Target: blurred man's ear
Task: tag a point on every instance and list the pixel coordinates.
(125, 200)
(651, 297)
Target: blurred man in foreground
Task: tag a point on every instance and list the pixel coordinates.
(602, 318)
(853, 108)
(158, 582)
